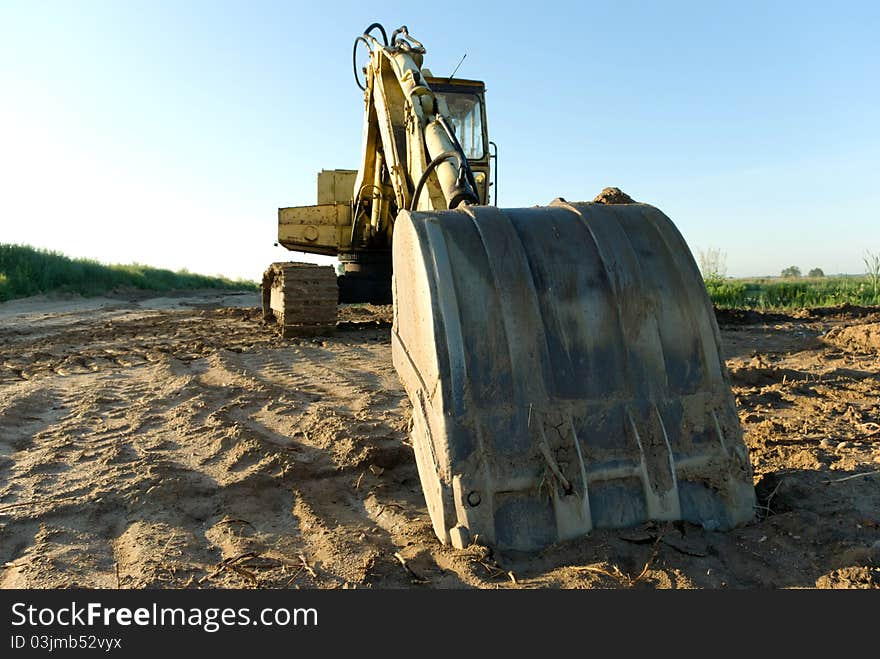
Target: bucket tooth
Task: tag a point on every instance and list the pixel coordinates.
(564, 364)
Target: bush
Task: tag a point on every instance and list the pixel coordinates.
(25, 271)
(816, 272)
(791, 271)
(872, 265)
(713, 265)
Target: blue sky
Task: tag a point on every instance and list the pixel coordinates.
(169, 133)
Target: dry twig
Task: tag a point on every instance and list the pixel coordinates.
(846, 478)
(295, 575)
(230, 564)
(621, 577)
(417, 578)
(766, 506)
(307, 567)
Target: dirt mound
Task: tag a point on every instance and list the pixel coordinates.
(750, 317)
(613, 196)
(842, 312)
(845, 311)
(758, 374)
(856, 337)
(359, 316)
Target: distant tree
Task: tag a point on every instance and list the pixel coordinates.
(791, 271)
(816, 272)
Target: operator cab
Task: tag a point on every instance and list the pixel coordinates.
(465, 107)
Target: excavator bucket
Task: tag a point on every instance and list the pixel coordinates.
(564, 368)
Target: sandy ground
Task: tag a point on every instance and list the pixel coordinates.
(177, 442)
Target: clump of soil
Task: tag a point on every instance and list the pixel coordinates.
(613, 196)
(856, 337)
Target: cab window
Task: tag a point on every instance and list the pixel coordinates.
(467, 122)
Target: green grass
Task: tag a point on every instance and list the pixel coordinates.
(26, 270)
(792, 293)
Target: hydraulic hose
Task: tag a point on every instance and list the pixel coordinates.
(372, 27)
(430, 168)
(354, 67)
(465, 164)
(363, 39)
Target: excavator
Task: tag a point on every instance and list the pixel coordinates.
(563, 361)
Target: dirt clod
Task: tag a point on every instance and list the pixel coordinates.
(613, 196)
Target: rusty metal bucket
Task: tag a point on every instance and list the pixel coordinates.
(564, 369)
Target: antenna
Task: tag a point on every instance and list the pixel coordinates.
(456, 68)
